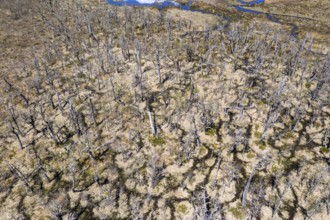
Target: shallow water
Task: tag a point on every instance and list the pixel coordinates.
(170, 3)
(247, 10)
(151, 3)
(161, 4)
(245, 7)
(251, 3)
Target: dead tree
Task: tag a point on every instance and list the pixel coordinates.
(156, 169)
(50, 78)
(14, 131)
(208, 58)
(37, 83)
(31, 120)
(139, 74)
(206, 207)
(151, 116)
(279, 200)
(215, 181)
(238, 43)
(20, 175)
(247, 186)
(124, 48)
(275, 105)
(75, 119)
(194, 131)
(14, 118)
(92, 110)
(157, 65)
(53, 133)
(324, 77)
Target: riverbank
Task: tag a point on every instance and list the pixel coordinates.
(299, 24)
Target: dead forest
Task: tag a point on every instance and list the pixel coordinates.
(128, 113)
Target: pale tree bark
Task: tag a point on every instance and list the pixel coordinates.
(247, 186)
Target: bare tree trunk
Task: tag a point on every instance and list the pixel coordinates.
(246, 189)
(20, 175)
(92, 111)
(157, 65)
(18, 139)
(151, 121)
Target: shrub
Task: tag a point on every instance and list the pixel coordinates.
(155, 141)
(211, 131)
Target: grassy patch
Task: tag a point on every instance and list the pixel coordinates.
(143, 171)
(202, 150)
(274, 169)
(293, 122)
(215, 146)
(237, 213)
(261, 102)
(324, 150)
(262, 145)
(317, 125)
(172, 182)
(182, 208)
(288, 135)
(155, 141)
(251, 155)
(257, 134)
(308, 85)
(211, 132)
(288, 164)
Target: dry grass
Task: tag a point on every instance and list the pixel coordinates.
(292, 156)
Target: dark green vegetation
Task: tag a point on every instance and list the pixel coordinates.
(127, 113)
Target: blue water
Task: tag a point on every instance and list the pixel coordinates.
(161, 4)
(251, 3)
(150, 3)
(168, 3)
(241, 9)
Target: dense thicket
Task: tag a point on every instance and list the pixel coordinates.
(128, 113)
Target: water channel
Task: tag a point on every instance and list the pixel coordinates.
(244, 7)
